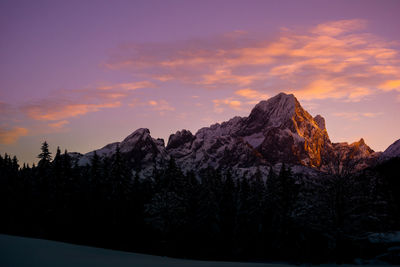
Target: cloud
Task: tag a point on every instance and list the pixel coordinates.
(251, 94)
(60, 111)
(224, 77)
(128, 86)
(78, 102)
(10, 136)
(391, 85)
(221, 104)
(332, 60)
(58, 125)
(251, 97)
(355, 116)
(335, 28)
(160, 105)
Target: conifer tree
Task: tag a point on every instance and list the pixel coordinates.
(45, 155)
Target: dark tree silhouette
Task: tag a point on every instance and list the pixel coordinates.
(206, 214)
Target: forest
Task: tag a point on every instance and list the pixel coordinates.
(207, 215)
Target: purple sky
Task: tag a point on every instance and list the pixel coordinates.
(81, 74)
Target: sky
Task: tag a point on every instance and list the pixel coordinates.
(82, 74)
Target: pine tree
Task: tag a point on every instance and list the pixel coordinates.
(95, 171)
(57, 163)
(44, 156)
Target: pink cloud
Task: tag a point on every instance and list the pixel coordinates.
(53, 111)
(355, 116)
(221, 104)
(335, 28)
(161, 106)
(59, 124)
(251, 94)
(391, 85)
(337, 59)
(10, 136)
(128, 86)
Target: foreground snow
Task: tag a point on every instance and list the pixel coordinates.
(19, 251)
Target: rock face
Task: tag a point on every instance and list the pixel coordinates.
(350, 158)
(392, 151)
(320, 122)
(143, 152)
(277, 130)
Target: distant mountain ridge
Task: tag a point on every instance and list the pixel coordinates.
(277, 130)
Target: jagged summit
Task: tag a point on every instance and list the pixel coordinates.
(139, 133)
(277, 130)
(179, 138)
(281, 103)
(275, 110)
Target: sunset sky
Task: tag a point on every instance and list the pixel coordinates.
(81, 74)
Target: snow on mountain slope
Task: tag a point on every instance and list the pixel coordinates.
(352, 157)
(143, 152)
(392, 151)
(277, 130)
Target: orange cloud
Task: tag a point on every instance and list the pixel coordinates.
(335, 28)
(391, 85)
(161, 105)
(224, 76)
(58, 125)
(54, 112)
(336, 59)
(251, 94)
(231, 103)
(128, 86)
(10, 136)
(163, 78)
(355, 116)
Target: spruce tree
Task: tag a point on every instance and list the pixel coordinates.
(45, 155)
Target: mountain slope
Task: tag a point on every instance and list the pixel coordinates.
(277, 130)
(392, 151)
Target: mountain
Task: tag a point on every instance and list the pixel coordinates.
(392, 151)
(277, 130)
(144, 153)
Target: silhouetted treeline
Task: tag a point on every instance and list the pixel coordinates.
(208, 216)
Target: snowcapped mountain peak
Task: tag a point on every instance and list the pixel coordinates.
(179, 138)
(138, 134)
(277, 130)
(277, 105)
(392, 151)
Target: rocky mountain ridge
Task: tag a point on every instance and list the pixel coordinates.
(277, 130)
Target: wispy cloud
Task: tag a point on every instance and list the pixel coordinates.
(79, 102)
(355, 116)
(221, 104)
(10, 136)
(161, 106)
(60, 111)
(391, 85)
(58, 124)
(128, 86)
(337, 60)
(52, 113)
(251, 94)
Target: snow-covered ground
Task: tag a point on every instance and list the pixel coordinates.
(20, 251)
